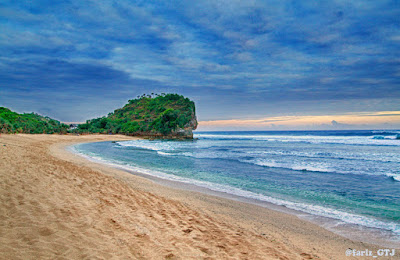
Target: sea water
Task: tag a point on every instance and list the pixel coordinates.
(352, 177)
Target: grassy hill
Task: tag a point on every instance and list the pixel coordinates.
(30, 123)
(167, 115)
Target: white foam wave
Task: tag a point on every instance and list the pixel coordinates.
(380, 137)
(297, 167)
(394, 176)
(162, 145)
(386, 132)
(143, 144)
(312, 139)
(387, 157)
(308, 208)
(156, 145)
(311, 167)
(163, 153)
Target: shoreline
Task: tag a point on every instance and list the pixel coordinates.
(58, 203)
(350, 231)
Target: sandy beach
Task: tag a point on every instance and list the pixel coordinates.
(57, 205)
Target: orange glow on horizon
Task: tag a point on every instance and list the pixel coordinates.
(362, 118)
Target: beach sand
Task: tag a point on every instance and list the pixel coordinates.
(58, 205)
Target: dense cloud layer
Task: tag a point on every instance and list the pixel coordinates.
(237, 59)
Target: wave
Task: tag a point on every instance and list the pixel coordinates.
(295, 167)
(169, 149)
(153, 145)
(161, 145)
(164, 153)
(257, 158)
(311, 139)
(143, 145)
(331, 155)
(312, 167)
(235, 154)
(304, 207)
(386, 132)
(270, 163)
(394, 176)
(381, 137)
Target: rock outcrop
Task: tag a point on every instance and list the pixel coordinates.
(159, 116)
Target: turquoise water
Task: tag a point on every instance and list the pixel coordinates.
(351, 176)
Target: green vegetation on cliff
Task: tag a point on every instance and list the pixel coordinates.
(159, 115)
(12, 122)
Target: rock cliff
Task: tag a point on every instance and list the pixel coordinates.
(154, 116)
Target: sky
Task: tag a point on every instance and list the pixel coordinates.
(248, 65)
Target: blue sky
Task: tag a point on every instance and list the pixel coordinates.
(238, 60)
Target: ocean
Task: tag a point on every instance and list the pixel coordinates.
(349, 178)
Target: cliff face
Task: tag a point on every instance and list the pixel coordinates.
(187, 130)
(160, 116)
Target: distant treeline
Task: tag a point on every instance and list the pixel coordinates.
(12, 122)
(146, 115)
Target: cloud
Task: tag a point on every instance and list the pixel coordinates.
(233, 57)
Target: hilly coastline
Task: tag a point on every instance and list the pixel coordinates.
(158, 116)
(29, 123)
(154, 116)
